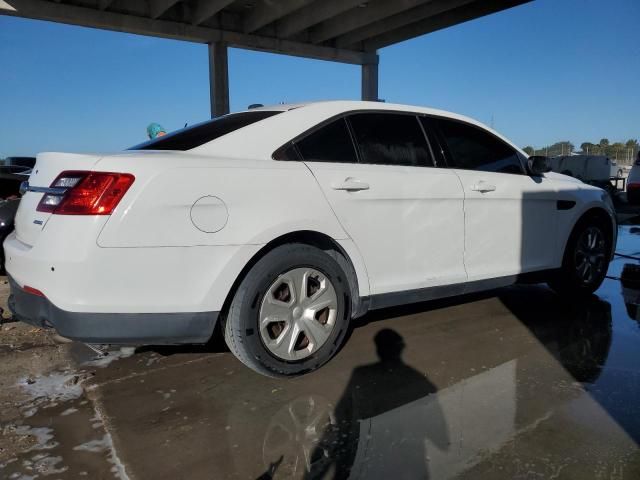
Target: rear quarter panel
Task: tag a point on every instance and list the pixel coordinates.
(263, 198)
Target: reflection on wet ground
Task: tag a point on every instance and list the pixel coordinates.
(513, 384)
(516, 383)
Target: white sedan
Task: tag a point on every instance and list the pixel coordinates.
(284, 223)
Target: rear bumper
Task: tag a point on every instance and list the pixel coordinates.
(115, 328)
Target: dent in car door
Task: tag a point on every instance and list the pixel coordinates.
(510, 217)
(407, 221)
(510, 224)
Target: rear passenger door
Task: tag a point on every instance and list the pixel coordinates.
(404, 215)
(510, 217)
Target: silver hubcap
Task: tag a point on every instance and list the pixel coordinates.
(298, 313)
(590, 255)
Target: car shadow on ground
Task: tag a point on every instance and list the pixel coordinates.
(217, 344)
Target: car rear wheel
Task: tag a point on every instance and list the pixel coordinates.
(290, 313)
(586, 259)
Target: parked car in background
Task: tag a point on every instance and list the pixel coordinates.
(619, 171)
(17, 164)
(8, 209)
(10, 182)
(289, 221)
(633, 183)
(592, 169)
(10, 199)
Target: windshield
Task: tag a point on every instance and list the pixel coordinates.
(201, 133)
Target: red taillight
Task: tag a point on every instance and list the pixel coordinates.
(85, 193)
(32, 291)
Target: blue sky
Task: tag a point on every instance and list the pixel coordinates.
(545, 71)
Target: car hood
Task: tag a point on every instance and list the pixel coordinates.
(561, 178)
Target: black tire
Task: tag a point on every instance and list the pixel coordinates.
(241, 322)
(567, 280)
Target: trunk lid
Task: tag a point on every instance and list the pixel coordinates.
(29, 223)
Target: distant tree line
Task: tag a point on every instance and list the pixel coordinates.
(622, 152)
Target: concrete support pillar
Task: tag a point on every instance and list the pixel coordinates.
(218, 79)
(370, 81)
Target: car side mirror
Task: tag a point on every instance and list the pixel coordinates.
(538, 164)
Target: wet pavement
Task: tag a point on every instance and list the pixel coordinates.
(516, 383)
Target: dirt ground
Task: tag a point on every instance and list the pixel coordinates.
(48, 426)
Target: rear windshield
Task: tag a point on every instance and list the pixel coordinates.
(201, 133)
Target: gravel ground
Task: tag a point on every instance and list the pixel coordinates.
(48, 425)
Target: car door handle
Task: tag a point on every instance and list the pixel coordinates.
(483, 187)
(351, 185)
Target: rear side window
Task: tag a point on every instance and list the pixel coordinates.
(471, 148)
(204, 132)
(330, 143)
(390, 139)
(287, 152)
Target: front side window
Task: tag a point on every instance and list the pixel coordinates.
(471, 148)
(201, 133)
(330, 143)
(390, 139)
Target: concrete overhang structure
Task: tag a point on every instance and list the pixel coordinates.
(349, 31)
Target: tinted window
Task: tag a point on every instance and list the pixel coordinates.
(330, 143)
(286, 152)
(474, 149)
(390, 139)
(204, 132)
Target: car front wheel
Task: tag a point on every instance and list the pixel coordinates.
(290, 313)
(586, 259)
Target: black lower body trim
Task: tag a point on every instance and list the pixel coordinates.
(114, 328)
(392, 299)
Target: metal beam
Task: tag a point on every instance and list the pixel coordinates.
(218, 79)
(91, 17)
(269, 11)
(104, 4)
(158, 7)
(398, 20)
(313, 14)
(438, 22)
(359, 17)
(370, 82)
(205, 9)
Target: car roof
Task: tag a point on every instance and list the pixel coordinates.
(278, 107)
(349, 105)
(296, 118)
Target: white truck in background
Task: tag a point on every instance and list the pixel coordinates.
(592, 169)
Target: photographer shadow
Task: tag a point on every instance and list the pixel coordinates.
(382, 421)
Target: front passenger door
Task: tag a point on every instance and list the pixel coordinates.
(510, 217)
